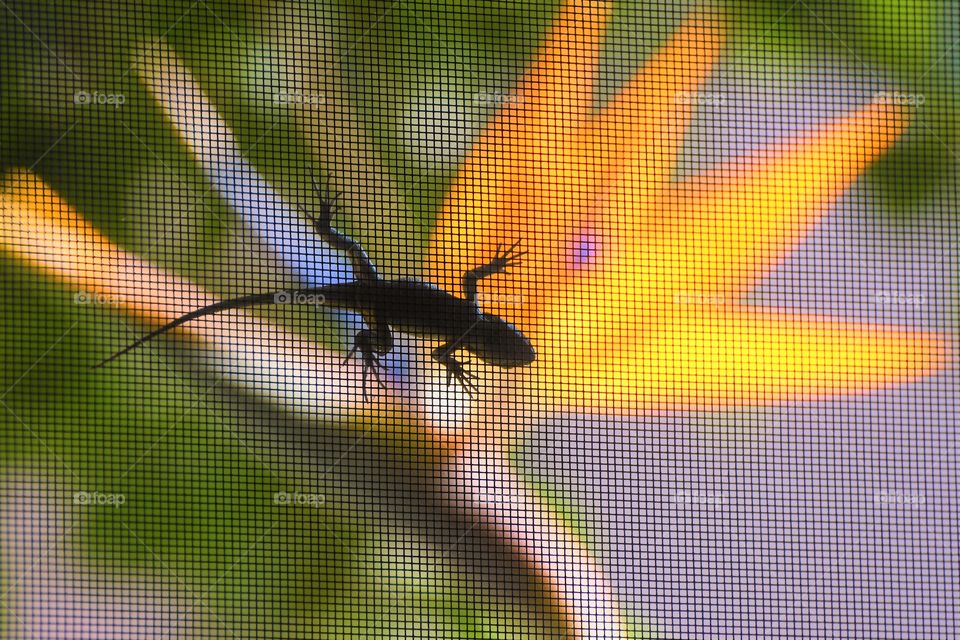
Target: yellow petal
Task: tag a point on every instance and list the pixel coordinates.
(712, 358)
(609, 333)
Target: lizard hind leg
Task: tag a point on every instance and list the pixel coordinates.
(371, 344)
(454, 367)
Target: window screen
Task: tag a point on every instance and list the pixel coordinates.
(412, 319)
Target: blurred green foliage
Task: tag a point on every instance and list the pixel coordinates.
(907, 47)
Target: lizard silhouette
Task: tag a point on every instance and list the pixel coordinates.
(409, 306)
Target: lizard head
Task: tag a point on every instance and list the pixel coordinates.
(497, 342)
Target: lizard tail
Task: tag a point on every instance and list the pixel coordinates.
(275, 297)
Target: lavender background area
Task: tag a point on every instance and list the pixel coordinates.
(828, 519)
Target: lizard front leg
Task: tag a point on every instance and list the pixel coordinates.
(363, 269)
(443, 355)
(498, 264)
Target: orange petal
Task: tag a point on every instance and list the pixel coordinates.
(520, 179)
(645, 123)
(556, 92)
(541, 184)
(44, 231)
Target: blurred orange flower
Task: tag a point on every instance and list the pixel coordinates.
(630, 289)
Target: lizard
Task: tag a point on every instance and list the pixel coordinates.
(407, 305)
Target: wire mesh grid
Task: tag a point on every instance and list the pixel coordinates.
(478, 320)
